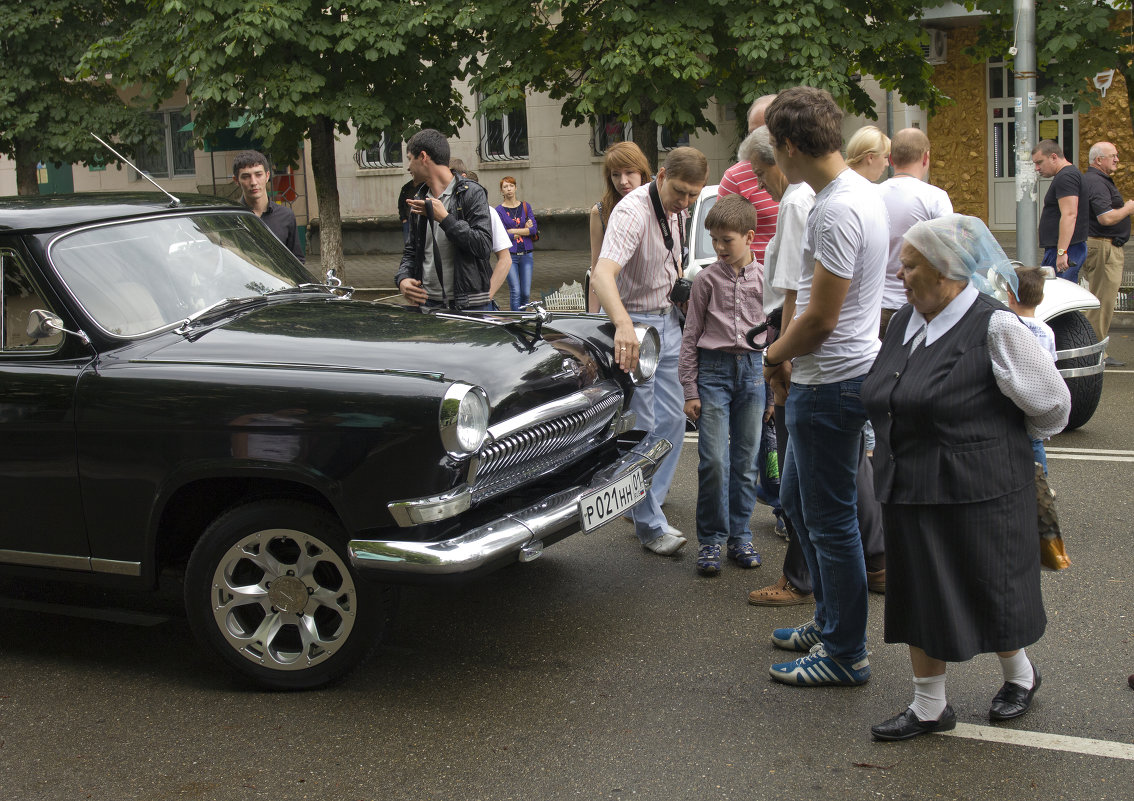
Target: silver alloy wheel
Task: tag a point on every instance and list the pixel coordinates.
(283, 599)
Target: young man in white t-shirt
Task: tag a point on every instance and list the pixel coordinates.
(826, 352)
(909, 199)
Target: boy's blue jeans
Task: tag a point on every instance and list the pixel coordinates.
(731, 388)
(820, 497)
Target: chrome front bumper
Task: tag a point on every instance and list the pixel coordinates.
(1097, 353)
(520, 533)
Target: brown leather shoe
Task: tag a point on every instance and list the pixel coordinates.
(876, 581)
(782, 593)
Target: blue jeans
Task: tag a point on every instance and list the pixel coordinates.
(1076, 255)
(818, 492)
(1039, 454)
(731, 388)
(520, 280)
(659, 404)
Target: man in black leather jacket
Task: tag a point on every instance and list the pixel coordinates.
(446, 262)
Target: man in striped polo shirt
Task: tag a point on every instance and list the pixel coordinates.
(637, 267)
(740, 180)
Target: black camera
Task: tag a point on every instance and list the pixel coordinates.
(680, 292)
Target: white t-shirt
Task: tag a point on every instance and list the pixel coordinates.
(847, 233)
(784, 255)
(908, 200)
(1043, 333)
(500, 239)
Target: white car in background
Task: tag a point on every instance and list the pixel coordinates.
(1079, 356)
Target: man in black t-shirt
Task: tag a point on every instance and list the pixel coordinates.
(1063, 220)
(1108, 229)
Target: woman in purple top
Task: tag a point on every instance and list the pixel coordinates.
(521, 226)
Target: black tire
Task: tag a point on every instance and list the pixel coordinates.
(1073, 331)
(304, 618)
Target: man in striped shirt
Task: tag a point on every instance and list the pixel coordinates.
(637, 267)
(740, 180)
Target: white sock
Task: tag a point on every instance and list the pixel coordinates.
(928, 697)
(1018, 669)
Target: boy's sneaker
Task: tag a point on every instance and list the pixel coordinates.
(801, 638)
(781, 528)
(817, 669)
(744, 555)
(709, 560)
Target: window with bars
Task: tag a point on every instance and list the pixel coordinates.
(169, 152)
(386, 152)
(505, 138)
(608, 129)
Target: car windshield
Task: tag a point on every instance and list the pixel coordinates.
(139, 276)
(702, 241)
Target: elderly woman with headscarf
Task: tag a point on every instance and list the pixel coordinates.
(955, 393)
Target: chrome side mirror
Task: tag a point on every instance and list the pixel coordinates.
(43, 324)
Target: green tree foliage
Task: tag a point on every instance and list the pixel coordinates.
(46, 112)
(300, 69)
(656, 62)
(1075, 40)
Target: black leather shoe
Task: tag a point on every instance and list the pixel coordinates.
(906, 725)
(1013, 700)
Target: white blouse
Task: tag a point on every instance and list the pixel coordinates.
(1023, 370)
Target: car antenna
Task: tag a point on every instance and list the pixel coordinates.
(175, 201)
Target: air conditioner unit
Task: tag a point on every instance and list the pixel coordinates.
(934, 52)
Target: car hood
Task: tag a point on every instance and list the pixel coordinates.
(338, 335)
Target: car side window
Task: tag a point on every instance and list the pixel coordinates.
(18, 296)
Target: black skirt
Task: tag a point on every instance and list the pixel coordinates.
(964, 579)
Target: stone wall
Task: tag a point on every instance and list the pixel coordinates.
(1110, 122)
(958, 133)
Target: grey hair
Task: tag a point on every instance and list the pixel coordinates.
(1096, 152)
(757, 146)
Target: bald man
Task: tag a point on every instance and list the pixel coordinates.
(909, 199)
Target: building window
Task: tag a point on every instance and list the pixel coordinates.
(668, 140)
(169, 152)
(505, 138)
(387, 152)
(609, 129)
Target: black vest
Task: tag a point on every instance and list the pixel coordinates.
(946, 433)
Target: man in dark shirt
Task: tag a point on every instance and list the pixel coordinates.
(251, 172)
(1108, 229)
(1063, 220)
(409, 189)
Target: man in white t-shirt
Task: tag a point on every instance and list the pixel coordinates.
(909, 199)
(826, 351)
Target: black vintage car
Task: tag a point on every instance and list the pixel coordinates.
(177, 396)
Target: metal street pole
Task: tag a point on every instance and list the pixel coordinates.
(1027, 182)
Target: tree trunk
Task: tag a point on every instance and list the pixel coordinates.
(327, 194)
(27, 177)
(646, 137)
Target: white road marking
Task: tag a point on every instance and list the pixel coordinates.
(1051, 742)
(1090, 454)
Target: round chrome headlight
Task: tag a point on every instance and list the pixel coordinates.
(463, 419)
(649, 351)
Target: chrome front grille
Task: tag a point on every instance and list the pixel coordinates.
(543, 440)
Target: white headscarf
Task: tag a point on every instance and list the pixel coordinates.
(962, 248)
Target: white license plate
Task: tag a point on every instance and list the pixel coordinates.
(606, 503)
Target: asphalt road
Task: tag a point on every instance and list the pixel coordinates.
(597, 671)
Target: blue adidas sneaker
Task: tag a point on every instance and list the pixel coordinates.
(818, 669)
(801, 638)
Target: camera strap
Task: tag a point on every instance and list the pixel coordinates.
(663, 224)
